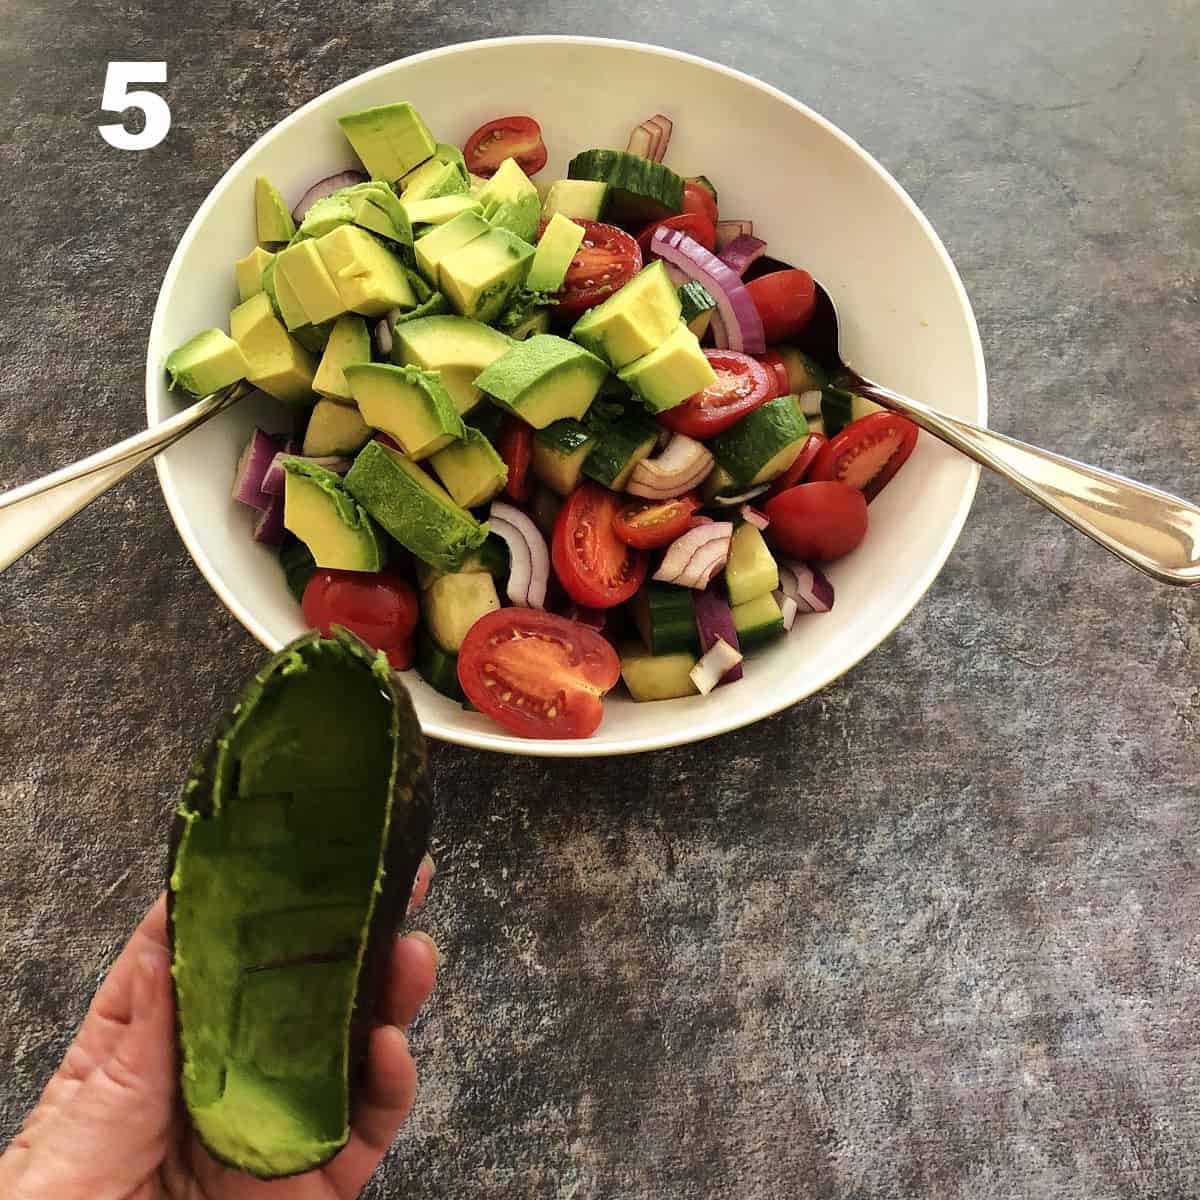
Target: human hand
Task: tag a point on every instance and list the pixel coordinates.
(111, 1125)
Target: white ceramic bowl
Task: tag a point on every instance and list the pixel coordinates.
(819, 200)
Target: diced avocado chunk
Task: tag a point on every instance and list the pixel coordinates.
(634, 320)
(470, 469)
(439, 210)
(314, 338)
(751, 570)
(328, 520)
(757, 621)
(373, 206)
(325, 215)
(764, 443)
(301, 269)
(431, 180)
(408, 404)
(415, 510)
(430, 248)
(349, 342)
(544, 379)
(369, 278)
(443, 153)
(283, 298)
(667, 376)
(250, 272)
(621, 446)
(480, 278)
(206, 363)
(277, 364)
(579, 199)
(510, 201)
(555, 249)
(457, 348)
(657, 676)
(520, 320)
(454, 603)
(492, 558)
(272, 218)
(335, 429)
(390, 139)
(559, 452)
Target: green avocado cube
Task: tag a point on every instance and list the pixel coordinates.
(334, 430)
(277, 363)
(369, 278)
(667, 376)
(328, 520)
(206, 363)
(511, 201)
(377, 208)
(439, 209)
(250, 272)
(325, 215)
(413, 508)
(432, 179)
(544, 379)
(634, 320)
(406, 403)
(272, 218)
(556, 248)
(471, 470)
(479, 279)
(430, 248)
(284, 300)
(301, 269)
(457, 348)
(349, 342)
(390, 139)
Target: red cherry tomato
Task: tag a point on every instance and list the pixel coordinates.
(594, 566)
(800, 464)
(695, 225)
(817, 521)
(785, 300)
(742, 384)
(536, 673)
(698, 199)
(778, 368)
(505, 137)
(379, 606)
(401, 657)
(515, 446)
(648, 524)
(867, 453)
(606, 260)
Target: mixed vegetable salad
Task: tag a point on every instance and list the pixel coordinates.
(548, 438)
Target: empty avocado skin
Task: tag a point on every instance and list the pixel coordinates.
(298, 1082)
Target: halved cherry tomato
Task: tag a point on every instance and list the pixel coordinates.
(536, 673)
(800, 464)
(379, 606)
(778, 368)
(785, 300)
(594, 566)
(698, 199)
(742, 384)
(648, 524)
(606, 260)
(515, 446)
(695, 225)
(817, 521)
(505, 137)
(868, 452)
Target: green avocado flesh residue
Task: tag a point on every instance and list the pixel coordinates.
(299, 832)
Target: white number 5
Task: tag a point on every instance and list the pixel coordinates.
(117, 99)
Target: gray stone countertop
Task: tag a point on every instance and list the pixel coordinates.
(932, 933)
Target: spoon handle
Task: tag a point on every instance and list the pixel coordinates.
(34, 510)
(1151, 530)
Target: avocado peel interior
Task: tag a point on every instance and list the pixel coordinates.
(295, 847)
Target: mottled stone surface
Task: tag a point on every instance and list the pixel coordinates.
(930, 934)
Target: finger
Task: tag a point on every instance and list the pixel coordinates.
(425, 873)
(412, 974)
(389, 1091)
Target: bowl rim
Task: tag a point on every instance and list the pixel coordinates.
(498, 741)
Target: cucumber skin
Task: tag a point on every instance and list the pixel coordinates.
(639, 190)
(666, 619)
(617, 445)
(837, 409)
(740, 449)
(438, 668)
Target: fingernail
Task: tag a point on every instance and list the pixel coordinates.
(429, 865)
(422, 936)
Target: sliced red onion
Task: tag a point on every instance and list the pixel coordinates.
(695, 557)
(740, 327)
(806, 585)
(714, 623)
(268, 527)
(683, 465)
(593, 618)
(253, 468)
(529, 571)
(273, 480)
(730, 501)
(727, 231)
(810, 402)
(752, 516)
(325, 187)
(742, 251)
(717, 662)
(651, 138)
(787, 609)
(641, 141)
(381, 335)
